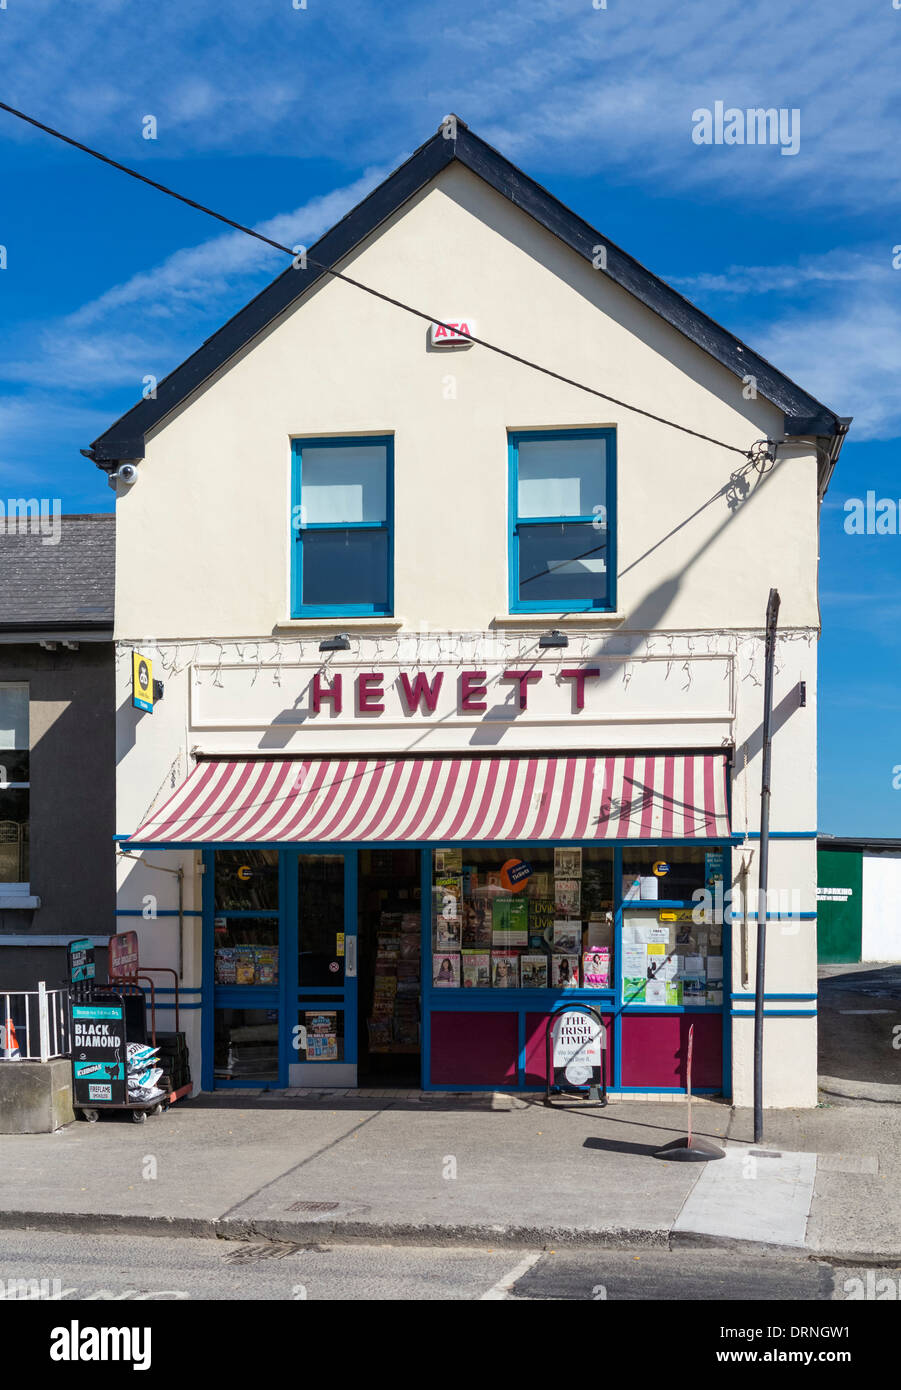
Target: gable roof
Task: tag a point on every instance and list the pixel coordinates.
(803, 414)
(65, 586)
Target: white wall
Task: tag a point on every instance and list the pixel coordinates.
(881, 902)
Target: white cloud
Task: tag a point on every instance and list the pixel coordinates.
(846, 354)
(97, 346)
(581, 88)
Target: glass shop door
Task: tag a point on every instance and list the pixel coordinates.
(321, 1032)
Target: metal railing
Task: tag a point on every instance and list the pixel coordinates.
(34, 1026)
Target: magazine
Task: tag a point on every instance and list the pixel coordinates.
(567, 862)
(267, 965)
(477, 920)
(449, 896)
(564, 972)
(538, 885)
(541, 922)
(533, 971)
(445, 971)
(245, 965)
(476, 970)
(596, 970)
(225, 966)
(568, 895)
(567, 937)
(448, 861)
(447, 934)
(510, 922)
(504, 970)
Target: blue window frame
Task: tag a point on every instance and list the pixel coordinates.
(342, 535)
(562, 553)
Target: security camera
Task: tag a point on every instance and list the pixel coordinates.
(127, 473)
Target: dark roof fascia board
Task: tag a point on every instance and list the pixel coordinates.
(60, 625)
(851, 845)
(803, 414)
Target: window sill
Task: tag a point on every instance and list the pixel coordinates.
(25, 901)
(333, 625)
(542, 621)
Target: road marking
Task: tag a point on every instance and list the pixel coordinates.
(502, 1288)
(752, 1197)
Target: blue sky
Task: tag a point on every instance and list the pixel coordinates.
(285, 117)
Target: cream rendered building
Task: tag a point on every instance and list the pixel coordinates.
(252, 457)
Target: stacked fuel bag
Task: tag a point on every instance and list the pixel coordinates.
(143, 1073)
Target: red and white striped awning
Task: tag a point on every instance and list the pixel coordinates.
(512, 800)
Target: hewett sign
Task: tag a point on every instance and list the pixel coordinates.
(608, 690)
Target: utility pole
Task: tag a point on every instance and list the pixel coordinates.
(772, 617)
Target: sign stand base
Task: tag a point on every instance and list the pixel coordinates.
(690, 1150)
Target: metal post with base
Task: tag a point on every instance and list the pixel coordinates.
(690, 1149)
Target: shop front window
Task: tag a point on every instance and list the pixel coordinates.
(673, 956)
(245, 1044)
(14, 787)
(504, 918)
(246, 880)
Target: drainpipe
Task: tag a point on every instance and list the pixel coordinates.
(772, 616)
(180, 875)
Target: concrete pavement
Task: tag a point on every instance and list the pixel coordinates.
(467, 1170)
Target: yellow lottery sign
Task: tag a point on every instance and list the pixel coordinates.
(142, 682)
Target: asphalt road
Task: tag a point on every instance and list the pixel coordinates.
(155, 1268)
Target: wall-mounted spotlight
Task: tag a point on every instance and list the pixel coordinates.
(339, 643)
(553, 639)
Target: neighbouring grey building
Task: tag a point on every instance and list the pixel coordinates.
(57, 744)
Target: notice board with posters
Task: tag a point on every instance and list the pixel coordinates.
(98, 1054)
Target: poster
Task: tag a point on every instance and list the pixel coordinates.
(655, 992)
(98, 1054)
(322, 1036)
(567, 862)
(578, 1041)
(510, 922)
(123, 954)
(81, 960)
(568, 896)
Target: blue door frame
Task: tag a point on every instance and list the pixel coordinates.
(290, 995)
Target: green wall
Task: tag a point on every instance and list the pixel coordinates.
(839, 924)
